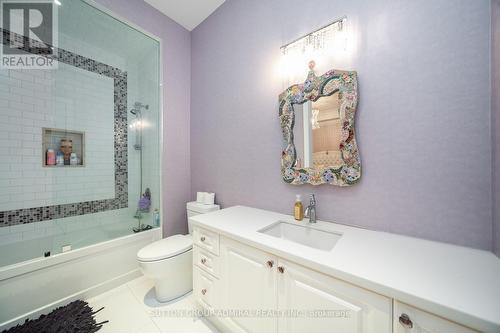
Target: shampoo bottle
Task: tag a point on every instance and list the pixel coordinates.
(51, 157)
(156, 218)
(73, 159)
(298, 211)
(59, 158)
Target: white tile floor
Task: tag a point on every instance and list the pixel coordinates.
(132, 308)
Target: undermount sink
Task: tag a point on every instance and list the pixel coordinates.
(305, 235)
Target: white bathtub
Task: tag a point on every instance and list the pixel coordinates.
(34, 287)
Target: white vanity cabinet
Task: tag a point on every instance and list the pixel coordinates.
(267, 273)
(408, 319)
(206, 289)
(259, 292)
(249, 282)
(206, 265)
(327, 304)
(272, 295)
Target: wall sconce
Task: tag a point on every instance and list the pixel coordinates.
(320, 45)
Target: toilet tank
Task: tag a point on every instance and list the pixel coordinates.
(193, 208)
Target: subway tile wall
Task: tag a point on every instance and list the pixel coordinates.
(75, 99)
(68, 98)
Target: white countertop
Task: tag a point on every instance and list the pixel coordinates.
(457, 283)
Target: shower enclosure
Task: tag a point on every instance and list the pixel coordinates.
(79, 142)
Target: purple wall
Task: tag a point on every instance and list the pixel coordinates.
(176, 48)
(423, 120)
(495, 102)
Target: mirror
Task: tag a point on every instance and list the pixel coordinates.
(317, 121)
(317, 133)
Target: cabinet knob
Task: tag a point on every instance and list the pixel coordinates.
(281, 269)
(203, 291)
(270, 263)
(405, 321)
(203, 261)
(202, 238)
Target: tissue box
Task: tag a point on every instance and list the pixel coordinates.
(205, 198)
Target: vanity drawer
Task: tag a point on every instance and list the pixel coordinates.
(205, 260)
(205, 288)
(207, 240)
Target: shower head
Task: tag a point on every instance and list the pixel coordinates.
(138, 106)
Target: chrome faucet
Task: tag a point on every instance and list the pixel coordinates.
(311, 209)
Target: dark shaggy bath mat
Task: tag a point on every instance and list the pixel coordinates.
(75, 317)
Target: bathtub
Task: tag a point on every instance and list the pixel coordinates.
(34, 287)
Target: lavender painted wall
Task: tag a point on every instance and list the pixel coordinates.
(176, 50)
(495, 101)
(423, 120)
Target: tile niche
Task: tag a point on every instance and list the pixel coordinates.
(60, 140)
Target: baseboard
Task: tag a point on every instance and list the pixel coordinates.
(83, 294)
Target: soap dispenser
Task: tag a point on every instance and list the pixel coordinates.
(298, 211)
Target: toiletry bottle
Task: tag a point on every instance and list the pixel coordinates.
(299, 209)
(59, 158)
(156, 218)
(51, 157)
(73, 159)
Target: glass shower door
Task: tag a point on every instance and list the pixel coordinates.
(80, 142)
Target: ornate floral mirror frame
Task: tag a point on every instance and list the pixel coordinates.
(312, 89)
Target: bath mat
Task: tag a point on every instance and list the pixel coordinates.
(77, 316)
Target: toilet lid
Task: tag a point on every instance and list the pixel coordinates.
(165, 248)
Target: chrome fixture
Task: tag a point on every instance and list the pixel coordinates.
(317, 37)
(137, 108)
(137, 123)
(311, 210)
(140, 226)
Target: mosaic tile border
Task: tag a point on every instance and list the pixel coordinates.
(36, 214)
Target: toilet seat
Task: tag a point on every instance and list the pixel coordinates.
(165, 248)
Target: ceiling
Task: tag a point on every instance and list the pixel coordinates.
(188, 13)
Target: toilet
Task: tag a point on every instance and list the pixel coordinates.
(168, 262)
